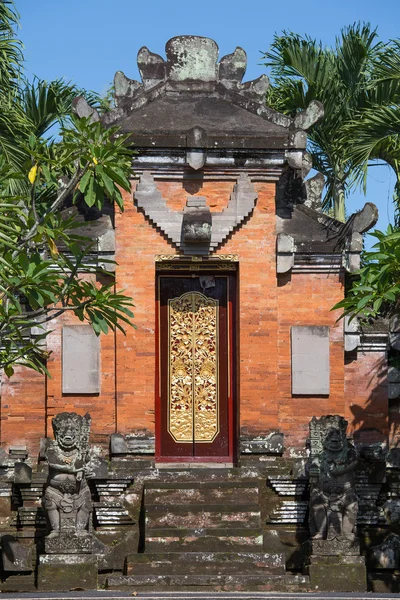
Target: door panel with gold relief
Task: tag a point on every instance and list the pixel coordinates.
(194, 395)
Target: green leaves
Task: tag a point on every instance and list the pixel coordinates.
(103, 308)
(46, 268)
(44, 263)
(104, 159)
(358, 82)
(378, 284)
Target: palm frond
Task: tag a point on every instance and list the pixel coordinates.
(11, 57)
(47, 103)
(358, 81)
(372, 128)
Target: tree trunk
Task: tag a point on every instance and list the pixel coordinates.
(339, 202)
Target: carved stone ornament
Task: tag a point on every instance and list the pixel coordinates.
(192, 70)
(333, 501)
(212, 260)
(196, 230)
(67, 499)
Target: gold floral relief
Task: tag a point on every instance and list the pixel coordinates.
(193, 368)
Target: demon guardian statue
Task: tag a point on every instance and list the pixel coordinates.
(67, 499)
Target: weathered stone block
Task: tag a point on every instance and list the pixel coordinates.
(65, 572)
(15, 556)
(80, 360)
(271, 443)
(338, 574)
(22, 473)
(118, 444)
(310, 360)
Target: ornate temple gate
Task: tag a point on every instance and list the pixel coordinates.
(195, 387)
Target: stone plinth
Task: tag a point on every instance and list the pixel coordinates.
(69, 543)
(335, 547)
(64, 572)
(336, 566)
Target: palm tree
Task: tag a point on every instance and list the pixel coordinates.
(38, 108)
(374, 133)
(42, 260)
(11, 59)
(302, 70)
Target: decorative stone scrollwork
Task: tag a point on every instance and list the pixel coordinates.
(196, 230)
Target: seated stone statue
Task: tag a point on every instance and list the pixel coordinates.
(67, 499)
(333, 501)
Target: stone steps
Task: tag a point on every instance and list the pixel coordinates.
(202, 539)
(202, 531)
(203, 478)
(205, 563)
(229, 582)
(233, 493)
(203, 515)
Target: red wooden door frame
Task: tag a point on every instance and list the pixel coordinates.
(231, 322)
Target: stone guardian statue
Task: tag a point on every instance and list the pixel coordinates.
(67, 499)
(333, 501)
(334, 549)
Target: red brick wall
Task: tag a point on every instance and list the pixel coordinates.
(23, 409)
(366, 392)
(266, 314)
(306, 299)
(267, 310)
(101, 406)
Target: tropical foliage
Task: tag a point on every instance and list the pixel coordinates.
(377, 289)
(374, 134)
(357, 81)
(44, 266)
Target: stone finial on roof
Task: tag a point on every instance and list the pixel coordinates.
(192, 91)
(191, 60)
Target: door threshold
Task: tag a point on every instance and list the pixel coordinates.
(193, 465)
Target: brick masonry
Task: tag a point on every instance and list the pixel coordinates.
(268, 307)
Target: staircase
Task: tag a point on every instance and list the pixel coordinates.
(199, 516)
(203, 534)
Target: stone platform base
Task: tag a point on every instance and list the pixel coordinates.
(208, 583)
(338, 574)
(65, 572)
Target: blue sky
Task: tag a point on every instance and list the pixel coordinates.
(86, 41)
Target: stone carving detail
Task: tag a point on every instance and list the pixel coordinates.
(196, 224)
(67, 499)
(194, 59)
(333, 501)
(196, 230)
(193, 368)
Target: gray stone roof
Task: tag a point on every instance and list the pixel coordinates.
(192, 90)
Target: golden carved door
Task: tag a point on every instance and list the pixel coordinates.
(194, 396)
